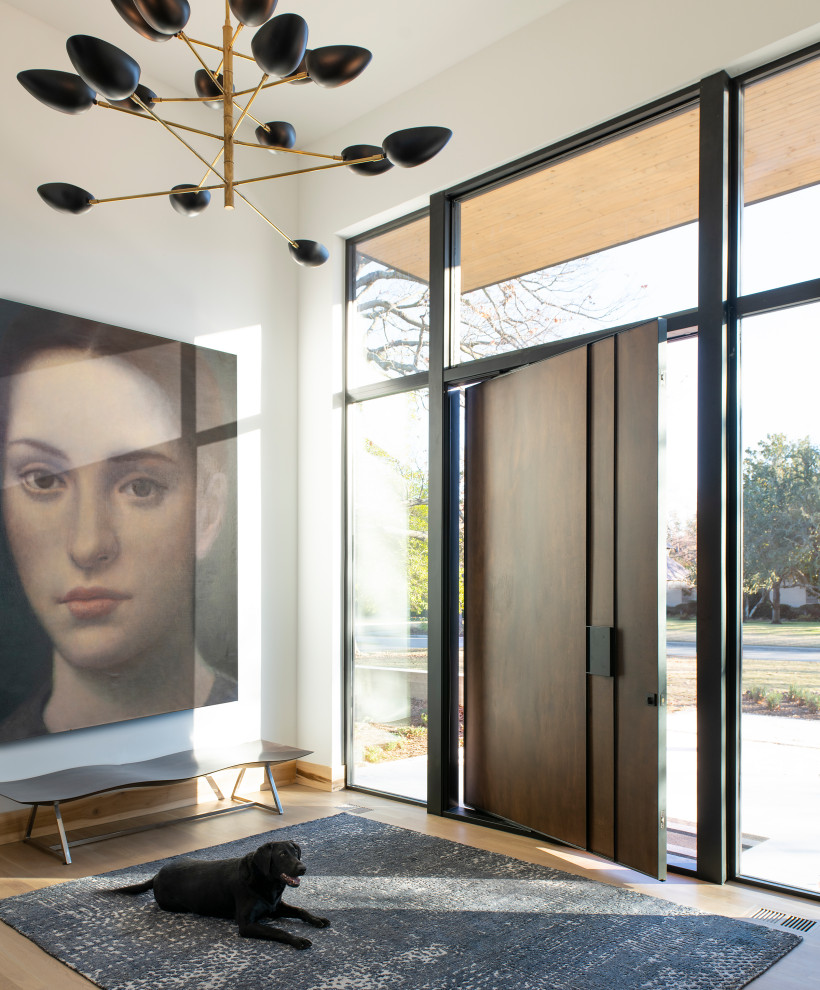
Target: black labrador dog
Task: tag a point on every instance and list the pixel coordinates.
(246, 889)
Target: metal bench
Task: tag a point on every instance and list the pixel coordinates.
(77, 782)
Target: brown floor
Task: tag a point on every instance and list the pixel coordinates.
(25, 967)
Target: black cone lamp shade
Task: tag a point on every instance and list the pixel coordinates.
(311, 254)
(104, 67)
(63, 91)
(279, 46)
(415, 145)
(165, 16)
(190, 201)
(132, 17)
(299, 70)
(279, 134)
(144, 94)
(336, 65)
(253, 13)
(366, 151)
(65, 198)
(205, 86)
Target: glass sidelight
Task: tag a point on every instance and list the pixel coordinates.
(780, 692)
(389, 488)
(681, 600)
(778, 834)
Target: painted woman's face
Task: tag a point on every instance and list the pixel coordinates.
(99, 504)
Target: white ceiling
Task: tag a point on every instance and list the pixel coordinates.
(411, 41)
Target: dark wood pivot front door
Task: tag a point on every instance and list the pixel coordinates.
(562, 533)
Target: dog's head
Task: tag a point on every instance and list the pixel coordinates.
(279, 862)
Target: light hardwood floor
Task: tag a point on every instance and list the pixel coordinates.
(25, 967)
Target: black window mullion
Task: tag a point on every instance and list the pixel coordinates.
(442, 775)
(377, 390)
(781, 297)
(713, 249)
(734, 536)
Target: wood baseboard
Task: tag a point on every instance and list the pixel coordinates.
(113, 806)
(321, 777)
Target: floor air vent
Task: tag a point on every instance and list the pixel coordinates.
(784, 920)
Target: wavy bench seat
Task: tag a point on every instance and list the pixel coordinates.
(76, 782)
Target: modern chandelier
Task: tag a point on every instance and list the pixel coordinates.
(109, 78)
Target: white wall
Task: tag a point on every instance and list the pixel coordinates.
(223, 280)
(585, 63)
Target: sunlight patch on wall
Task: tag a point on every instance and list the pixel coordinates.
(242, 719)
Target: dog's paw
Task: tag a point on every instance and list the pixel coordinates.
(300, 943)
(320, 922)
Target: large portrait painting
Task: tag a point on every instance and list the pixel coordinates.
(117, 524)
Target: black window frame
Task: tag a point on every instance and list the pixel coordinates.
(715, 321)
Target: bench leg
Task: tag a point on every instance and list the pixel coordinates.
(275, 793)
(239, 777)
(31, 818)
(215, 787)
(61, 830)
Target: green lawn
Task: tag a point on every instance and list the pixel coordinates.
(772, 675)
(776, 675)
(759, 633)
(769, 675)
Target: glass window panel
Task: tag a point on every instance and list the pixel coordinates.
(389, 327)
(781, 172)
(681, 600)
(780, 703)
(604, 238)
(389, 464)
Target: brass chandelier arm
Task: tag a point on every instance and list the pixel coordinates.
(169, 192)
(196, 154)
(289, 151)
(171, 123)
(259, 213)
(190, 43)
(247, 106)
(219, 137)
(173, 133)
(213, 77)
(229, 141)
(184, 37)
(315, 168)
(164, 192)
(211, 168)
(216, 48)
(184, 99)
(233, 39)
(276, 82)
(259, 122)
(245, 144)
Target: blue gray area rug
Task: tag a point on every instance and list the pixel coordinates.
(408, 912)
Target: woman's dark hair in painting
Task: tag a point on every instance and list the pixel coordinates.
(194, 384)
